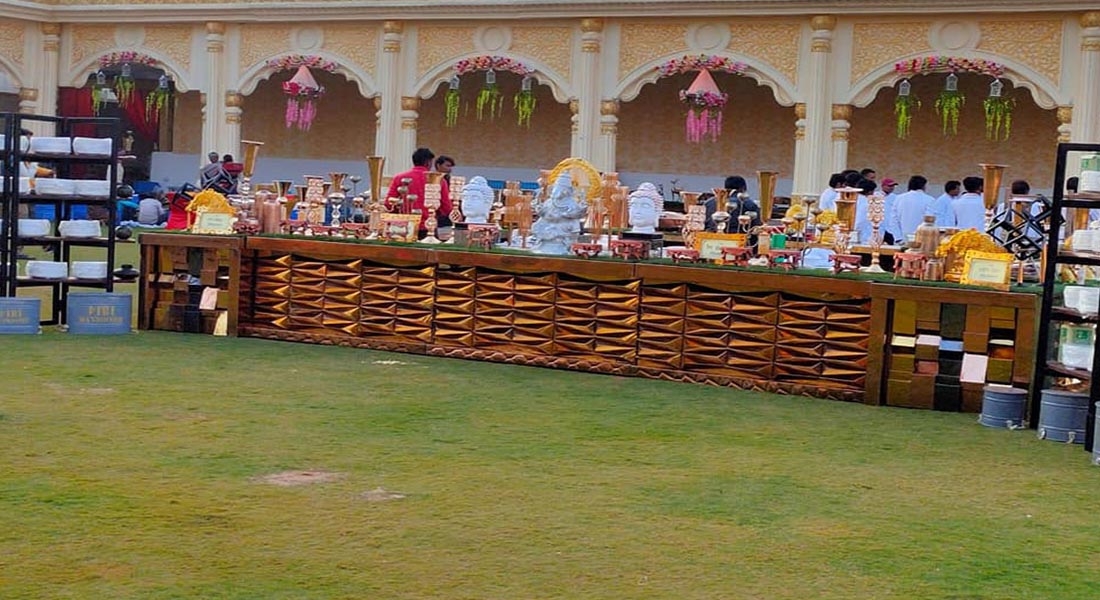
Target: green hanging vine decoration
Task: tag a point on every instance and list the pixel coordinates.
(124, 89)
(998, 117)
(489, 97)
(97, 99)
(904, 107)
(524, 102)
(155, 103)
(451, 102)
(948, 106)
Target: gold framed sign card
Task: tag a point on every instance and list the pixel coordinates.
(989, 269)
(709, 245)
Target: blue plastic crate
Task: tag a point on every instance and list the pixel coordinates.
(20, 315)
(99, 313)
(46, 211)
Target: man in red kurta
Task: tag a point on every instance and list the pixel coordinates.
(422, 162)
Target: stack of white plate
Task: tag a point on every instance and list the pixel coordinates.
(34, 227)
(92, 146)
(24, 142)
(93, 188)
(46, 186)
(79, 229)
(44, 269)
(88, 270)
(51, 145)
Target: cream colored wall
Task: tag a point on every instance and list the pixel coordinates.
(344, 128)
(499, 142)
(757, 133)
(187, 125)
(1029, 152)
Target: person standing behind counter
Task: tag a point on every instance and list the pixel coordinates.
(418, 176)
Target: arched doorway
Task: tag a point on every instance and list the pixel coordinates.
(757, 134)
(1028, 151)
(497, 146)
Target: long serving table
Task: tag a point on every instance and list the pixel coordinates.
(854, 339)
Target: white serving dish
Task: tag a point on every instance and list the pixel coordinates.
(46, 186)
(51, 145)
(24, 142)
(79, 229)
(92, 188)
(34, 227)
(92, 146)
(44, 269)
(88, 270)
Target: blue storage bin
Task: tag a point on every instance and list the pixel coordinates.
(99, 313)
(20, 315)
(46, 211)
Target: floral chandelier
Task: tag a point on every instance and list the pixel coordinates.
(997, 107)
(704, 101)
(490, 101)
(302, 91)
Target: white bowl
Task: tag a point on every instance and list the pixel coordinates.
(88, 270)
(92, 146)
(34, 227)
(92, 188)
(44, 269)
(79, 229)
(51, 145)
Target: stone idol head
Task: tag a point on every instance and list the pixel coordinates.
(477, 200)
(645, 207)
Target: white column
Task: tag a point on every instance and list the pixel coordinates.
(402, 158)
(842, 117)
(574, 128)
(1087, 99)
(389, 133)
(1065, 123)
(811, 172)
(28, 101)
(801, 153)
(231, 134)
(213, 138)
(588, 91)
(49, 71)
(609, 135)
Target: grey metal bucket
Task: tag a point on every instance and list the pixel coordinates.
(1062, 416)
(1004, 407)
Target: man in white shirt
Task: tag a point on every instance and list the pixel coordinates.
(910, 207)
(969, 207)
(944, 206)
(892, 233)
(828, 197)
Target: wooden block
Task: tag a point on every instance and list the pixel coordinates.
(927, 367)
(905, 376)
(905, 317)
(898, 393)
(1002, 313)
(972, 394)
(928, 326)
(209, 277)
(977, 343)
(1002, 324)
(977, 319)
(952, 320)
(902, 363)
(922, 391)
(999, 371)
(948, 398)
(929, 313)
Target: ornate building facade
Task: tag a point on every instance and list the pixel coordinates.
(814, 90)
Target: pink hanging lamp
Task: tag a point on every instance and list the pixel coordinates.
(302, 93)
(705, 103)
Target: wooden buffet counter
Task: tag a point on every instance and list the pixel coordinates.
(831, 337)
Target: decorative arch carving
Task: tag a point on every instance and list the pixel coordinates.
(1044, 91)
(263, 69)
(91, 64)
(427, 85)
(783, 89)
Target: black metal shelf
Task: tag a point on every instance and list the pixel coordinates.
(1050, 316)
(67, 165)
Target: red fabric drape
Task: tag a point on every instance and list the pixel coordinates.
(135, 111)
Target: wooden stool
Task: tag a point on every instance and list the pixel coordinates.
(846, 262)
(788, 260)
(586, 250)
(737, 256)
(630, 249)
(679, 255)
(909, 265)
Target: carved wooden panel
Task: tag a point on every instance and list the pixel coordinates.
(661, 326)
(272, 291)
(730, 334)
(617, 320)
(415, 299)
(575, 318)
(533, 317)
(378, 301)
(342, 296)
(307, 289)
(454, 307)
(824, 343)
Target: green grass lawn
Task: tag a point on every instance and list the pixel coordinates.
(133, 465)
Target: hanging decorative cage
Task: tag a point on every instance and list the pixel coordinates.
(905, 105)
(489, 99)
(156, 101)
(949, 104)
(124, 85)
(302, 92)
(705, 103)
(525, 102)
(998, 112)
(452, 101)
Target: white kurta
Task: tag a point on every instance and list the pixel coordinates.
(828, 199)
(944, 209)
(909, 211)
(970, 212)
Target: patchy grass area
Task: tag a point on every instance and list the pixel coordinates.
(162, 465)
